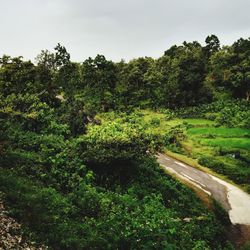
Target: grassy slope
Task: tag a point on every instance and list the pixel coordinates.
(231, 143)
(221, 144)
(220, 132)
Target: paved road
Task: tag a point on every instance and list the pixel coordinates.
(235, 201)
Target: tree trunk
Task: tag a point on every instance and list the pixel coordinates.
(248, 95)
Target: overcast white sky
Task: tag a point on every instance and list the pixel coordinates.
(117, 28)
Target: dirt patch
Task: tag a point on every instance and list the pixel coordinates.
(239, 235)
(11, 236)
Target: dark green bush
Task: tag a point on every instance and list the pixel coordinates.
(148, 215)
(240, 173)
(212, 163)
(155, 121)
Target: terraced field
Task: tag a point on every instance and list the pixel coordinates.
(224, 150)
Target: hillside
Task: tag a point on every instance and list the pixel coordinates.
(78, 144)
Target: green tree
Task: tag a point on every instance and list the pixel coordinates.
(98, 81)
(131, 87)
(16, 76)
(230, 69)
(212, 45)
(184, 71)
(50, 72)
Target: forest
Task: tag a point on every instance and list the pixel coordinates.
(78, 143)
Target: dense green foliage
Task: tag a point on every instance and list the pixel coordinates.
(98, 190)
(78, 180)
(226, 150)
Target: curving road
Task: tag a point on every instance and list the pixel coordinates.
(235, 201)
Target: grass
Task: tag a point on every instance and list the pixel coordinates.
(218, 145)
(199, 122)
(228, 143)
(220, 132)
(193, 122)
(166, 123)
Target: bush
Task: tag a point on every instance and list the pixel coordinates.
(212, 163)
(231, 113)
(211, 116)
(92, 219)
(155, 122)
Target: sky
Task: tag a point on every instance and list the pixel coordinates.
(118, 29)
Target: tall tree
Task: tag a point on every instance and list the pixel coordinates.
(50, 69)
(16, 76)
(185, 70)
(230, 69)
(212, 45)
(98, 80)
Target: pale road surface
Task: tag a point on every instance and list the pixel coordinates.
(235, 201)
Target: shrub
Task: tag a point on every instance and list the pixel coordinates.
(212, 163)
(155, 122)
(211, 116)
(111, 142)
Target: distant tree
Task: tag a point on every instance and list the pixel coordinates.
(69, 79)
(212, 45)
(171, 52)
(133, 89)
(184, 70)
(230, 69)
(98, 81)
(62, 57)
(241, 69)
(47, 60)
(16, 75)
(53, 61)
(153, 80)
(51, 67)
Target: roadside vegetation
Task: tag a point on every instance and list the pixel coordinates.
(222, 148)
(77, 145)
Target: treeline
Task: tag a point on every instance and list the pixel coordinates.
(186, 75)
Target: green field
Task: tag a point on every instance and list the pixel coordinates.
(199, 122)
(229, 143)
(224, 150)
(219, 132)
